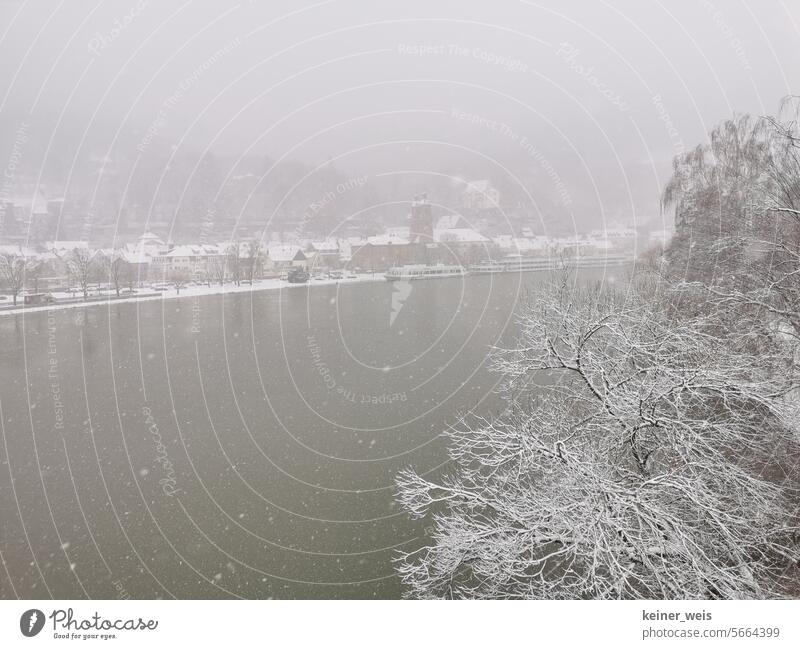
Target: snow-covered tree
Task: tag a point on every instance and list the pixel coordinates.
(83, 266)
(217, 269)
(179, 279)
(13, 268)
(116, 267)
(737, 216)
(641, 455)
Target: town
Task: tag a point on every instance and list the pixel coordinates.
(36, 271)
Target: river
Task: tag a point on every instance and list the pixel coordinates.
(238, 445)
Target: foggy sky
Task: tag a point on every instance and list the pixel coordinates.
(600, 93)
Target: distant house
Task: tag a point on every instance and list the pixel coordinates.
(139, 264)
(525, 246)
(140, 254)
(381, 252)
(458, 235)
(324, 253)
(64, 246)
(450, 222)
(151, 243)
(194, 260)
(463, 246)
(285, 256)
(387, 239)
(402, 231)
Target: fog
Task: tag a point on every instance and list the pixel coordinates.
(358, 299)
(572, 109)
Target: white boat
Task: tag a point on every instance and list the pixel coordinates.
(512, 265)
(531, 264)
(421, 271)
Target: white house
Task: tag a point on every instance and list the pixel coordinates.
(458, 235)
(194, 260)
(285, 256)
(450, 222)
(324, 253)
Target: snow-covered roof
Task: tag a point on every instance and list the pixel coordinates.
(402, 231)
(329, 245)
(193, 251)
(459, 235)
(67, 245)
(450, 221)
(134, 257)
(524, 243)
(613, 233)
(387, 239)
(286, 252)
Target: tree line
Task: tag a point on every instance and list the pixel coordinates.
(83, 267)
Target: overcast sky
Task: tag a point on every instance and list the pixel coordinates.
(583, 84)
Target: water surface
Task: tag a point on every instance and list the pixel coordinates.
(236, 446)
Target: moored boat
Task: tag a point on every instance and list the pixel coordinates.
(517, 264)
(421, 271)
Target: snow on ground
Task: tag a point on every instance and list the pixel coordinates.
(188, 291)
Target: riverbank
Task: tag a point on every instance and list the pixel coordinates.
(187, 291)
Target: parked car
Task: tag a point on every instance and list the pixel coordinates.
(38, 298)
(336, 274)
(297, 276)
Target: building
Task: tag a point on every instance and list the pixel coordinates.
(384, 251)
(462, 245)
(451, 221)
(324, 254)
(421, 221)
(281, 258)
(192, 260)
(538, 246)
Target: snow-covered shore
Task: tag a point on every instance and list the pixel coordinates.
(189, 291)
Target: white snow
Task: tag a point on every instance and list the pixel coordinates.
(191, 291)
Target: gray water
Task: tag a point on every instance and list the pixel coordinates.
(236, 446)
